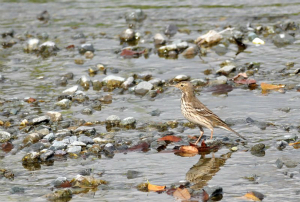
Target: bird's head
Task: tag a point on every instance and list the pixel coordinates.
(185, 86)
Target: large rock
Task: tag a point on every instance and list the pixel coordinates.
(143, 87)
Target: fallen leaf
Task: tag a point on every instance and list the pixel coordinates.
(296, 145)
(7, 146)
(70, 47)
(30, 100)
(255, 196)
(130, 53)
(152, 187)
(205, 195)
(170, 138)
(242, 78)
(183, 194)
(266, 86)
(192, 137)
(144, 146)
(189, 149)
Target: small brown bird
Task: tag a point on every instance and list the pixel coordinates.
(197, 113)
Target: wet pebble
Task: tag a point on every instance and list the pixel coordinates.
(4, 136)
(131, 174)
(10, 32)
(58, 145)
(181, 77)
(87, 111)
(279, 163)
(227, 69)
(41, 119)
(137, 15)
(96, 104)
(171, 30)
(258, 150)
(155, 112)
(31, 45)
(86, 172)
(86, 139)
(54, 116)
(143, 87)
(74, 149)
(78, 143)
(50, 137)
(30, 158)
(89, 131)
(113, 120)
(280, 145)
(86, 47)
(128, 35)
(61, 194)
(59, 181)
(71, 91)
(190, 52)
(48, 48)
(64, 103)
(198, 82)
(46, 155)
(17, 190)
(97, 85)
(128, 122)
(113, 81)
(43, 16)
(32, 138)
(128, 83)
(156, 82)
(109, 150)
(283, 40)
(159, 39)
(84, 82)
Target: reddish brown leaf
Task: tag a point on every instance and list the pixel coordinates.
(70, 47)
(183, 194)
(144, 146)
(192, 137)
(170, 138)
(131, 53)
(66, 184)
(7, 147)
(205, 196)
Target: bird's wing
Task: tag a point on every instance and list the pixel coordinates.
(202, 110)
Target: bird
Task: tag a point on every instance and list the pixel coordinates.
(197, 113)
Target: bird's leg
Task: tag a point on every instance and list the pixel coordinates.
(201, 133)
(211, 134)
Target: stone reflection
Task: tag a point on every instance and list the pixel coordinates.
(205, 169)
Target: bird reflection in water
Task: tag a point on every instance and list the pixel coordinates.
(205, 169)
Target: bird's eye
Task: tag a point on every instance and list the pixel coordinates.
(181, 85)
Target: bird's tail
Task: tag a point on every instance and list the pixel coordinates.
(231, 130)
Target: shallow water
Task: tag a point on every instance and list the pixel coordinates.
(93, 17)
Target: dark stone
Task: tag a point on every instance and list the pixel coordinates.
(131, 174)
(17, 190)
(279, 163)
(258, 150)
(171, 30)
(48, 154)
